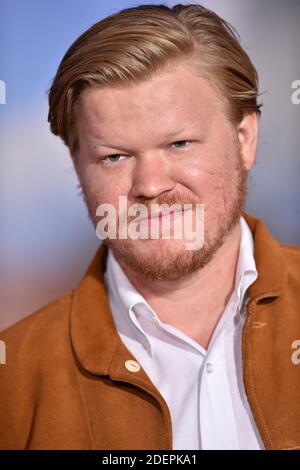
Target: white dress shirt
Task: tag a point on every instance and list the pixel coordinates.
(203, 388)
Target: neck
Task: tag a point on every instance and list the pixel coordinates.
(195, 304)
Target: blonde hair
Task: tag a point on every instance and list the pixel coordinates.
(136, 43)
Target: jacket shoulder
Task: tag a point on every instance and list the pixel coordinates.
(46, 316)
(33, 339)
(34, 347)
(291, 254)
(291, 257)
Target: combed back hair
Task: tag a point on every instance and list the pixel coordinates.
(136, 43)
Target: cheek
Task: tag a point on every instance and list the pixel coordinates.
(100, 187)
(210, 175)
(200, 175)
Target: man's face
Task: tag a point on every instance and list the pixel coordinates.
(171, 142)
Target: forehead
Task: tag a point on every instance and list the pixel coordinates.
(176, 96)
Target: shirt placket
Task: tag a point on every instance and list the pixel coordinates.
(216, 414)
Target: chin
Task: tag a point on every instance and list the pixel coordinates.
(160, 260)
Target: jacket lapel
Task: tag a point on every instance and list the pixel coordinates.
(100, 352)
(272, 381)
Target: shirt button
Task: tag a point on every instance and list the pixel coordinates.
(243, 310)
(209, 367)
(132, 366)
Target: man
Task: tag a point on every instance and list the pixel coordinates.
(160, 346)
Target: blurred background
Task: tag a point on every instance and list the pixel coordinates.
(46, 238)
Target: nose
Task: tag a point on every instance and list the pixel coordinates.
(151, 176)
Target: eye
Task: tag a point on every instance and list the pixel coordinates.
(114, 158)
(181, 143)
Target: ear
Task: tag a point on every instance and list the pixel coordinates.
(248, 131)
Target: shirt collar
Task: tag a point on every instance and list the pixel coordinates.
(127, 300)
(133, 304)
(246, 272)
(126, 292)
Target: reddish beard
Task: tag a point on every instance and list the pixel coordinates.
(162, 263)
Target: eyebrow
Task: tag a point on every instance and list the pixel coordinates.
(170, 134)
(95, 143)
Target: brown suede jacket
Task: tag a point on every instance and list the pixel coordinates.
(65, 384)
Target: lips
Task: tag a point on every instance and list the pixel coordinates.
(156, 216)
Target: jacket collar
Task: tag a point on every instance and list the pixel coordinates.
(270, 264)
(94, 337)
